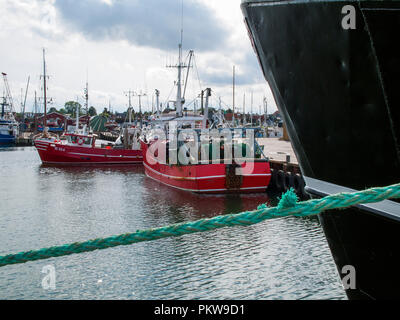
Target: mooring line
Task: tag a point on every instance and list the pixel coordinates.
(288, 206)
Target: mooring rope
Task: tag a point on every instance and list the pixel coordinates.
(288, 206)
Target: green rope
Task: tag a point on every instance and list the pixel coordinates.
(288, 206)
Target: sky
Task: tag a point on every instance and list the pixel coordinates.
(128, 45)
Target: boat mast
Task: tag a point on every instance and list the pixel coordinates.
(87, 101)
(158, 103)
(44, 92)
(140, 95)
(265, 110)
(244, 109)
(77, 117)
(251, 109)
(205, 117)
(129, 94)
(3, 104)
(179, 84)
(179, 100)
(36, 111)
(8, 95)
(23, 106)
(233, 98)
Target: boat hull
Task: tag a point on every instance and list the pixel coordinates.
(60, 154)
(6, 139)
(209, 178)
(336, 90)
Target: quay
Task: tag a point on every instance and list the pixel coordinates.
(24, 140)
(285, 169)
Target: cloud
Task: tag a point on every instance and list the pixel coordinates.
(150, 23)
(217, 69)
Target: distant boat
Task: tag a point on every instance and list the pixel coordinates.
(78, 149)
(8, 131)
(9, 128)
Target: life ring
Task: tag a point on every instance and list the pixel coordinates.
(80, 141)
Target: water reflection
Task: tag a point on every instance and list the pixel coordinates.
(199, 205)
(43, 206)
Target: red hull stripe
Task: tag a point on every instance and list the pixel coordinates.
(49, 155)
(181, 178)
(102, 155)
(201, 178)
(208, 190)
(94, 163)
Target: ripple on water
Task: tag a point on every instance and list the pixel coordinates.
(44, 206)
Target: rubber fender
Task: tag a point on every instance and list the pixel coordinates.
(289, 181)
(281, 181)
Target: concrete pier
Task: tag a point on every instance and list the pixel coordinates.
(278, 150)
(285, 169)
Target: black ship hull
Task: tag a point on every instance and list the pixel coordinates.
(334, 77)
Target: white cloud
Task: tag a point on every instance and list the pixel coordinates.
(117, 65)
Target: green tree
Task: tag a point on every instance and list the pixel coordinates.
(105, 112)
(70, 107)
(52, 109)
(92, 111)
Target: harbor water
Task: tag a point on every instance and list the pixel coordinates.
(46, 206)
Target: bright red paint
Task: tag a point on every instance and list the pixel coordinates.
(207, 178)
(57, 152)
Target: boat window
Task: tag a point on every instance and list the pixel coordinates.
(79, 140)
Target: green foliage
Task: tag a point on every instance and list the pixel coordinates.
(70, 107)
(92, 111)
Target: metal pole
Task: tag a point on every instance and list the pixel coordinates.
(233, 104)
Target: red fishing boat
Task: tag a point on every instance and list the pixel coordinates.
(212, 173)
(253, 176)
(80, 147)
(77, 149)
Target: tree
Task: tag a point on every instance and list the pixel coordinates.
(92, 111)
(105, 112)
(52, 109)
(70, 107)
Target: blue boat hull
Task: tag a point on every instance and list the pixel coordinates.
(6, 139)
